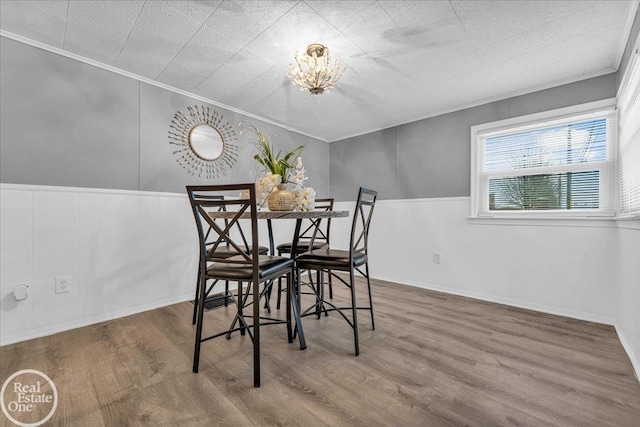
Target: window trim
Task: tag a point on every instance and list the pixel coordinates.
(534, 120)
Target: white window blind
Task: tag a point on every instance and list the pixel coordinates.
(629, 139)
(561, 165)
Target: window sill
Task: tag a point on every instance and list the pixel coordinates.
(580, 221)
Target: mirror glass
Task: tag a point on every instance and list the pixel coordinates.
(206, 142)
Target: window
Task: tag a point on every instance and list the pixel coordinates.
(553, 164)
(629, 142)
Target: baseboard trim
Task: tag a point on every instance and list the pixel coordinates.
(579, 315)
(62, 327)
(635, 361)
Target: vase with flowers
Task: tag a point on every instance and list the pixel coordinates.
(279, 171)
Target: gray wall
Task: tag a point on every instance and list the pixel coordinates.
(66, 123)
(432, 157)
(367, 161)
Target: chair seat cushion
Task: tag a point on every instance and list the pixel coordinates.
(223, 251)
(233, 269)
(303, 246)
(329, 258)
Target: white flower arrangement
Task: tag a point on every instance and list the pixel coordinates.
(298, 177)
(264, 186)
(305, 197)
(279, 170)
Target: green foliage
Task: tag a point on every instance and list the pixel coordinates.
(532, 192)
(276, 163)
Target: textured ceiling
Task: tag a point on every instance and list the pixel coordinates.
(405, 60)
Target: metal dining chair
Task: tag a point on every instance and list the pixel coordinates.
(221, 252)
(246, 267)
(314, 235)
(356, 259)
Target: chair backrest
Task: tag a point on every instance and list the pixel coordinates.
(208, 198)
(319, 229)
(221, 208)
(361, 221)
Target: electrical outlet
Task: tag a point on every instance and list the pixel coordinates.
(437, 258)
(63, 284)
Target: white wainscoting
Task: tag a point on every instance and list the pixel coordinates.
(628, 323)
(125, 251)
(565, 270)
(128, 252)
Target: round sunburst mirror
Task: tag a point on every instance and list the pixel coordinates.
(204, 142)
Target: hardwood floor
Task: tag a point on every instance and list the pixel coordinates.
(433, 360)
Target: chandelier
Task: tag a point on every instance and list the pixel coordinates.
(313, 70)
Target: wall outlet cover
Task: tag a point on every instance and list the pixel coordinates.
(63, 284)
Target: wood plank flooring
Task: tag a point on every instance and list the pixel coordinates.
(433, 360)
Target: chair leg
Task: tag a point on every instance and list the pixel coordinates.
(195, 300)
(318, 292)
(280, 287)
(267, 298)
(256, 334)
(267, 295)
(295, 303)
(279, 292)
(326, 313)
(289, 328)
(354, 310)
(241, 301)
(366, 269)
(200, 318)
(226, 293)
(295, 293)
